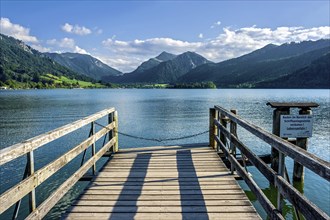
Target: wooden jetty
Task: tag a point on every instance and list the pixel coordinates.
(168, 182)
(164, 182)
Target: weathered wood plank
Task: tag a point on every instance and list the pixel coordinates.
(293, 104)
(151, 180)
(165, 192)
(162, 174)
(167, 169)
(307, 159)
(266, 204)
(162, 209)
(306, 207)
(167, 149)
(14, 194)
(162, 216)
(164, 185)
(46, 205)
(157, 165)
(103, 197)
(162, 203)
(167, 152)
(17, 150)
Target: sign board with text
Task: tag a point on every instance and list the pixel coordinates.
(296, 126)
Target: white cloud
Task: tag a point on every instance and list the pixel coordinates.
(201, 36)
(80, 50)
(216, 24)
(40, 48)
(67, 43)
(16, 31)
(127, 55)
(150, 46)
(76, 29)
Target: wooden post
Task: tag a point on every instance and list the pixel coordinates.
(281, 172)
(32, 194)
(213, 130)
(298, 169)
(93, 146)
(276, 130)
(233, 131)
(223, 121)
(110, 134)
(115, 131)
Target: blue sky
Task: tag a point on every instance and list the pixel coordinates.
(125, 33)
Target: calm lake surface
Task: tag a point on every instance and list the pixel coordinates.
(150, 113)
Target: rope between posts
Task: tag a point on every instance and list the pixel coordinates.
(155, 139)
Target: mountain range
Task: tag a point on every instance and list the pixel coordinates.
(84, 64)
(19, 63)
(165, 68)
(290, 65)
(266, 64)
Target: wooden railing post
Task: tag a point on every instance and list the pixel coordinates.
(281, 170)
(213, 130)
(93, 146)
(33, 178)
(276, 130)
(111, 133)
(233, 131)
(298, 169)
(223, 122)
(115, 131)
(32, 194)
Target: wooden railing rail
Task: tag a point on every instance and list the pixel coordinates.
(305, 158)
(32, 178)
(17, 150)
(299, 201)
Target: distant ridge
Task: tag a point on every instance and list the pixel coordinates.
(167, 71)
(84, 64)
(152, 62)
(316, 75)
(268, 63)
(290, 65)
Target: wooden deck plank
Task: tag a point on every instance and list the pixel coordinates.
(161, 209)
(163, 203)
(163, 216)
(103, 197)
(161, 182)
(164, 187)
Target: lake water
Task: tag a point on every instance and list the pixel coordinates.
(150, 113)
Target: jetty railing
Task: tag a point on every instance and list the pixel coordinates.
(33, 178)
(227, 141)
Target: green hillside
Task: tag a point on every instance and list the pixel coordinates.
(84, 64)
(23, 67)
(316, 75)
